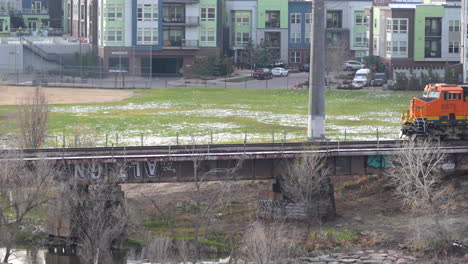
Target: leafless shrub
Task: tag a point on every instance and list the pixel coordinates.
(157, 251)
(98, 215)
(24, 187)
(306, 182)
(33, 116)
(266, 244)
(336, 54)
(416, 172)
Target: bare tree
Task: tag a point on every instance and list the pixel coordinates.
(416, 172)
(307, 183)
(206, 203)
(157, 251)
(24, 187)
(33, 116)
(97, 212)
(264, 244)
(336, 55)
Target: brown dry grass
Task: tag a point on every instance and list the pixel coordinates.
(12, 95)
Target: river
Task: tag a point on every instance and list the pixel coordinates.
(43, 256)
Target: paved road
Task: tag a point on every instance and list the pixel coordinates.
(288, 82)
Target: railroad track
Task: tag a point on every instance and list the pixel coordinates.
(226, 151)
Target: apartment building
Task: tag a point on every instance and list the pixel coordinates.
(285, 26)
(157, 37)
(35, 14)
(300, 21)
(81, 20)
(415, 37)
(464, 40)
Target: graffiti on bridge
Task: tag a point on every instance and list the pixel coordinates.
(124, 171)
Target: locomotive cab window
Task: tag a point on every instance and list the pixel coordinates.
(431, 94)
(452, 96)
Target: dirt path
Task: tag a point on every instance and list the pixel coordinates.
(12, 95)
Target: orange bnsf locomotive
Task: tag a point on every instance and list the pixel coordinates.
(442, 113)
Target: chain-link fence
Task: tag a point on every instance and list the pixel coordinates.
(98, 77)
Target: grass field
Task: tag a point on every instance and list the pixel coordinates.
(226, 114)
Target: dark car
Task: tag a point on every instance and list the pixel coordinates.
(379, 79)
(262, 73)
(304, 68)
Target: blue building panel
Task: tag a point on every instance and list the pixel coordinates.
(302, 8)
(160, 28)
(27, 4)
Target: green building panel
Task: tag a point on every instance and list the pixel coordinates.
(36, 21)
(376, 22)
(116, 24)
(423, 11)
(4, 25)
(209, 25)
(276, 5)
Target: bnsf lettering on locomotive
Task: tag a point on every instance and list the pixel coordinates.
(420, 108)
(449, 106)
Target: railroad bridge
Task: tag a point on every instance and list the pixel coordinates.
(260, 161)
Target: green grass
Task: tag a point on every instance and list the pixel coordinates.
(161, 114)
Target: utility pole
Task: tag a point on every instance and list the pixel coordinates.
(464, 42)
(316, 116)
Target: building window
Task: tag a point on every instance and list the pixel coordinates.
(295, 18)
(208, 14)
(207, 36)
(82, 12)
(397, 25)
(272, 19)
(307, 37)
(389, 48)
(242, 38)
(397, 48)
(360, 18)
(432, 48)
(308, 18)
(147, 36)
(147, 12)
(433, 27)
(114, 12)
(295, 37)
(360, 39)
(307, 57)
(376, 43)
(454, 25)
(295, 57)
(454, 47)
(242, 19)
(334, 19)
(114, 35)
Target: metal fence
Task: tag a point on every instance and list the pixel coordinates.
(98, 77)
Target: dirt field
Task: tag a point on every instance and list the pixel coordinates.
(12, 95)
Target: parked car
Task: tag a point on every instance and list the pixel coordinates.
(279, 72)
(352, 65)
(379, 79)
(262, 73)
(304, 68)
(362, 78)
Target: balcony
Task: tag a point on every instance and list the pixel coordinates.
(272, 24)
(180, 44)
(181, 21)
(433, 33)
(42, 11)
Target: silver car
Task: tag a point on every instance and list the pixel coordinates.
(352, 65)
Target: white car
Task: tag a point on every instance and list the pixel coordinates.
(353, 65)
(279, 72)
